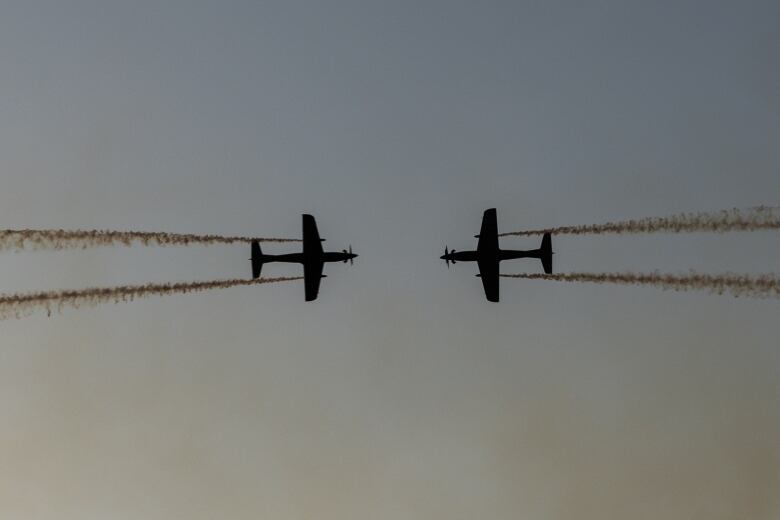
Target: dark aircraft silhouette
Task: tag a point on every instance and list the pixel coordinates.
(313, 258)
(488, 255)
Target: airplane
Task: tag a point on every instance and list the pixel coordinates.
(313, 258)
(489, 255)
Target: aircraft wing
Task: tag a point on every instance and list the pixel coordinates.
(312, 274)
(312, 245)
(488, 273)
(488, 234)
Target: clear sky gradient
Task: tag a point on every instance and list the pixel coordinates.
(401, 392)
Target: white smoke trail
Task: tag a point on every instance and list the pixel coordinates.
(752, 219)
(755, 286)
(82, 239)
(23, 304)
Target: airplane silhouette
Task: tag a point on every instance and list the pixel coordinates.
(313, 258)
(488, 255)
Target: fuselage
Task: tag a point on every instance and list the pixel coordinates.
(500, 254)
(302, 258)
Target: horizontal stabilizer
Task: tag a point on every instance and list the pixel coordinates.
(257, 259)
(546, 253)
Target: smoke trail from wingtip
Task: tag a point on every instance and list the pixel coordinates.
(23, 304)
(752, 219)
(81, 239)
(755, 286)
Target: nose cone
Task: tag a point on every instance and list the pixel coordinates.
(443, 257)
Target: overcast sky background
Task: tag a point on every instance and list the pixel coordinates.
(401, 392)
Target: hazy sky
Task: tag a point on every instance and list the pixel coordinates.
(401, 392)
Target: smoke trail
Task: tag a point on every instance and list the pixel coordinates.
(82, 239)
(756, 286)
(753, 219)
(18, 305)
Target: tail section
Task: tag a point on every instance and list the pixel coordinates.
(257, 259)
(546, 253)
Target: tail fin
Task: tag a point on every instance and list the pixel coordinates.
(257, 259)
(546, 250)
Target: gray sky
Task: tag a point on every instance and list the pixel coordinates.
(400, 393)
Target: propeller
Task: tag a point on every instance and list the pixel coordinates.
(446, 256)
(351, 258)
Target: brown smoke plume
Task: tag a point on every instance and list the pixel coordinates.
(82, 239)
(18, 305)
(753, 219)
(756, 286)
